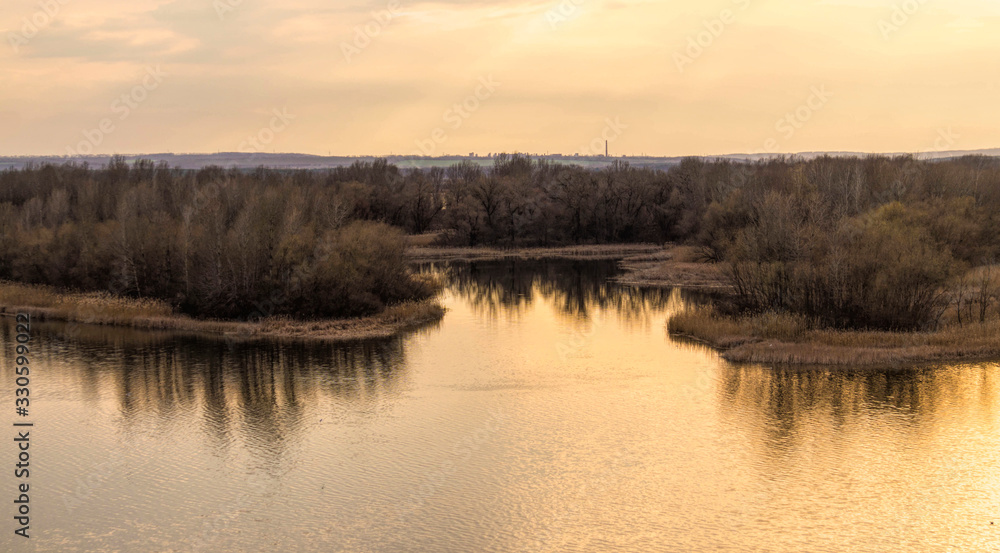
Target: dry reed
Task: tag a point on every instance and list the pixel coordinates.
(790, 339)
(45, 303)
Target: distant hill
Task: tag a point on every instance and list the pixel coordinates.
(244, 160)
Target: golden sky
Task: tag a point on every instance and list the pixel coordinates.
(685, 77)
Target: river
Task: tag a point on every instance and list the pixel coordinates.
(548, 411)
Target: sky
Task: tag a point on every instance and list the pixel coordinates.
(684, 77)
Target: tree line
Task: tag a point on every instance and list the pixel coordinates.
(856, 242)
(213, 242)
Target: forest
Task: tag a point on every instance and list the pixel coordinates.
(875, 243)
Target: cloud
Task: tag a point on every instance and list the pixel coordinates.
(611, 58)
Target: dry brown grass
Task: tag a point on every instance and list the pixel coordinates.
(730, 332)
(674, 266)
(645, 265)
(424, 240)
(104, 309)
(595, 252)
(392, 321)
(789, 339)
(96, 307)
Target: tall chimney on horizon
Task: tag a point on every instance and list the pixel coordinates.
(606, 148)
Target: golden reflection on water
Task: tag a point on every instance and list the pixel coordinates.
(577, 290)
(905, 458)
(255, 389)
(548, 411)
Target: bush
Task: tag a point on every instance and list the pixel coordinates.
(882, 270)
(211, 243)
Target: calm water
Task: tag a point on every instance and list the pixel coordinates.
(548, 411)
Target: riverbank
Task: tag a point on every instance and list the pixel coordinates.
(44, 303)
(788, 339)
(643, 265)
(673, 267)
(434, 254)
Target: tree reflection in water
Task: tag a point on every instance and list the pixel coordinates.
(577, 289)
(243, 390)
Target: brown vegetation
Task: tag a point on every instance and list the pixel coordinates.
(647, 266)
(94, 307)
(211, 243)
(874, 243)
(871, 243)
(593, 252)
(43, 303)
(784, 338)
(852, 243)
(674, 267)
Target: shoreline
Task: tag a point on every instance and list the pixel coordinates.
(784, 340)
(673, 267)
(765, 339)
(428, 254)
(106, 310)
(643, 265)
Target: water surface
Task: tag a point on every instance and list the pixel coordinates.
(548, 411)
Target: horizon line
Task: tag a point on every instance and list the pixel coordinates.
(475, 155)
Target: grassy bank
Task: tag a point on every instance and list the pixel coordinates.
(646, 265)
(44, 303)
(427, 254)
(673, 267)
(790, 339)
